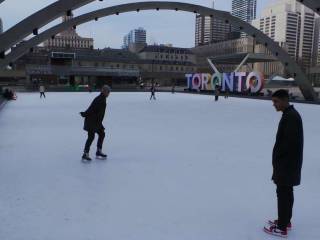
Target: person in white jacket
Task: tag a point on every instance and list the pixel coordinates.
(42, 90)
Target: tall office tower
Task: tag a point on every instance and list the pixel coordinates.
(1, 26)
(210, 30)
(291, 23)
(203, 30)
(136, 36)
(246, 10)
(316, 43)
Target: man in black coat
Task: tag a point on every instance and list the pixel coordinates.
(93, 123)
(287, 160)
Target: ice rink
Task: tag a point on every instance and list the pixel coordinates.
(180, 168)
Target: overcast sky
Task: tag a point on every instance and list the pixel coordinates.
(162, 27)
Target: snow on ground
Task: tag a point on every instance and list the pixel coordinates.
(180, 168)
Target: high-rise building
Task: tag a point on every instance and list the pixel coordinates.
(203, 30)
(316, 43)
(246, 10)
(291, 23)
(210, 30)
(136, 36)
(69, 38)
(1, 26)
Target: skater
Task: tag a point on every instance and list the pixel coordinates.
(216, 93)
(93, 123)
(42, 90)
(153, 92)
(287, 160)
(227, 93)
(173, 89)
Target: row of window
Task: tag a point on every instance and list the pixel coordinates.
(172, 57)
(155, 68)
(166, 68)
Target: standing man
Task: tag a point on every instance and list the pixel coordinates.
(42, 90)
(93, 123)
(287, 160)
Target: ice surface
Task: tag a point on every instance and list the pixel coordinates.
(180, 168)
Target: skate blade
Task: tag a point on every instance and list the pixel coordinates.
(101, 158)
(85, 160)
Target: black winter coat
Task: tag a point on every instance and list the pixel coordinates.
(94, 114)
(287, 154)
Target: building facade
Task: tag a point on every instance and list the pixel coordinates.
(233, 48)
(166, 65)
(69, 39)
(246, 10)
(116, 67)
(1, 26)
(316, 43)
(210, 29)
(136, 36)
(203, 30)
(291, 23)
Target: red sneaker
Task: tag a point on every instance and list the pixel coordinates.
(275, 222)
(274, 230)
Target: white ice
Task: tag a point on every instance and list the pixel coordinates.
(180, 168)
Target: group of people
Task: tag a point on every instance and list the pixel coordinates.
(8, 94)
(287, 154)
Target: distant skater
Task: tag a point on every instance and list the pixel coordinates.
(287, 158)
(217, 93)
(173, 89)
(93, 123)
(153, 92)
(226, 93)
(42, 91)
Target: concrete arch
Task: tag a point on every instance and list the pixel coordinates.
(290, 65)
(37, 20)
(312, 4)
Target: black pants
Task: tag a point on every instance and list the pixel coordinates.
(153, 96)
(285, 205)
(42, 94)
(216, 97)
(90, 139)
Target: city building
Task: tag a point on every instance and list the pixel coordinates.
(233, 52)
(166, 65)
(203, 30)
(210, 29)
(136, 36)
(291, 23)
(316, 43)
(1, 26)
(246, 10)
(119, 68)
(69, 39)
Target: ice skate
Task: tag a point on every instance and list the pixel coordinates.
(274, 230)
(85, 157)
(100, 155)
(275, 222)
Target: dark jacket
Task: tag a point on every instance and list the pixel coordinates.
(287, 154)
(94, 114)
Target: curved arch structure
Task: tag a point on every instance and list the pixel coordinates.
(312, 4)
(37, 20)
(290, 65)
(1, 1)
